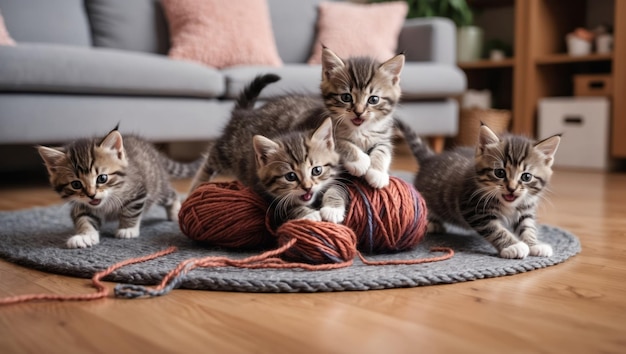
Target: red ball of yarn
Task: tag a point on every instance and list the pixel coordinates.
(317, 242)
(226, 214)
(390, 219)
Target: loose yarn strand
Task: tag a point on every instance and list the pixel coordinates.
(449, 253)
(101, 289)
(176, 276)
(265, 260)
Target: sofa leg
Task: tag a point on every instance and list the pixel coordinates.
(437, 143)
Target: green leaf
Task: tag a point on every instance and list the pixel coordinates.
(456, 10)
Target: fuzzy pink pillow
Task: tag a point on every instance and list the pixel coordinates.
(351, 29)
(221, 33)
(5, 37)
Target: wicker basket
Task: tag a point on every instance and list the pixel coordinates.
(496, 119)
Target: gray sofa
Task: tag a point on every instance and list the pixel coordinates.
(82, 66)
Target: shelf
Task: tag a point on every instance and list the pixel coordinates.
(566, 58)
(487, 64)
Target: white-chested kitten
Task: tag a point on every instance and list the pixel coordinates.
(361, 95)
(493, 189)
(112, 178)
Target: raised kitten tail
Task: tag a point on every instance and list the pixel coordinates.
(250, 93)
(418, 147)
(180, 169)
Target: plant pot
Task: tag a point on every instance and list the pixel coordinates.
(577, 46)
(604, 43)
(469, 43)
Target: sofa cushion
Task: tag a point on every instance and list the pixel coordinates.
(137, 25)
(295, 78)
(58, 21)
(359, 29)
(418, 80)
(221, 33)
(431, 81)
(294, 34)
(69, 69)
(5, 37)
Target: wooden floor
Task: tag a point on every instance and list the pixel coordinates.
(576, 307)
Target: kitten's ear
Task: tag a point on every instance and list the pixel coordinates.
(113, 141)
(324, 135)
(487, 136)
(548, 148)
(52, 157)
(330, 63)
(394, 67)
(263, 148)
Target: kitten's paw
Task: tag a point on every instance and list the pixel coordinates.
(83, 240)
(315, 216)
(519, 250)
(541, 250)
(172, 211)
(377, 179)
(334, 215)
(130, 232)
(358, 167)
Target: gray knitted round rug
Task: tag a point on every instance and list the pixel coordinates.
(36, 238)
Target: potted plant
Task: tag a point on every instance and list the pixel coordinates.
(469, 37)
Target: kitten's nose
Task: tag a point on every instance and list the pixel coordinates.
(358, 114)
(511, 189)
(90, 192)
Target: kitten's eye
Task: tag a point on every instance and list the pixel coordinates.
(291, 176)
(346, 97)
(102, 179)
(76, 184)
(526, 177)
(316, 171)
(373, 100)
(499, 172)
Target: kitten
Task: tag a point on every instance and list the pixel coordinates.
(112, 178)
(493, 189)
(293, 168)
(361, 95)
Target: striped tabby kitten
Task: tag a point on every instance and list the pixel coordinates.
(112, 178)
(493, 189)
(361, 96)
(293, 168)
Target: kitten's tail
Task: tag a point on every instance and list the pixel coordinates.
(250, 93)
(181, 169)
(420, 150)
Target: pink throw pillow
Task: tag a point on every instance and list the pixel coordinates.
(5, 37)
(351, 29)
(221, 33)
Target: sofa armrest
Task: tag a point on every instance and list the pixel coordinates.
(428, 39)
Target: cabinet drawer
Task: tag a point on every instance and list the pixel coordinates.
(584, 123)
(593, 85)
